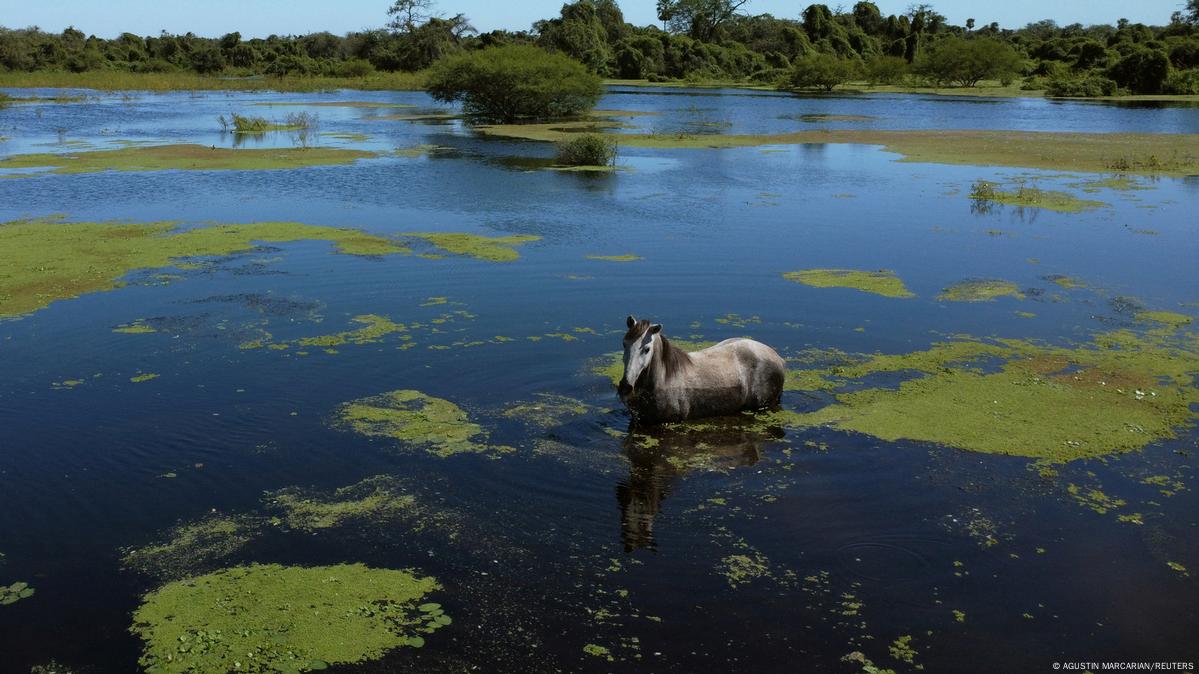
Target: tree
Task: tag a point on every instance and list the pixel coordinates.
(698, 18)
(1191, 15)
(579, 33)
(408, 14)
(431, 41)
(821, 71)
(1142, 71)
(514, 83)
(965, 63)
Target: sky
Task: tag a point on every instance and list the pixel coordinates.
(259, 18)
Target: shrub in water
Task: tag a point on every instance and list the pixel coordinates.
(588, 149)
(513, 83)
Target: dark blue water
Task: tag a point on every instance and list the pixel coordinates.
(562, 534)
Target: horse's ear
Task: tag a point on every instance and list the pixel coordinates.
(630, 321)
(655, 328)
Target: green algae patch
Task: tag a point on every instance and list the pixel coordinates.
(1055, 404)
(986, 193)
(437, 425)
(272, 618)
(741, 569)
(138, 327)
(375, 498)
(980, 290)
(374, 328)
(11, 594)
(882, 282)
(1117, 183)
(42, 261)
(595, 650)
(1171, 319)
(191, 547)
(1067, 282)
(628, 257)
(180, 158)
(547, 411)
(490, 248)
(141, 378)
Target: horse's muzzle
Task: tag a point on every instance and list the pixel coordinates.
(624, 388)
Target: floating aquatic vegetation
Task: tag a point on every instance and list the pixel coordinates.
(272, 618)
(868, 666)
(1171, 319)
(615, 258)
(901, 649)
(1118, 393)
(491, 248)
(1067, 282)
(547, 411)
(138, 327)
(178, 158)
(882, 282)
(1118, 183)
(979, 290)
(42, 261)
(741, 569)
(138, 379)
(1094, 499)
(739, 321)
(1178, 567)
(374, 328)
(14, 593)
(375, 498)
(599, 651)
(192, 547)
(439, 426)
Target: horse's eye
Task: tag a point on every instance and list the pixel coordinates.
(645, 349)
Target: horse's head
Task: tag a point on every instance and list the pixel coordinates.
(640, 342)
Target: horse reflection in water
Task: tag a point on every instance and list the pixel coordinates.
(659, 456)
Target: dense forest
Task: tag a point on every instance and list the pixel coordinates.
(698, 40)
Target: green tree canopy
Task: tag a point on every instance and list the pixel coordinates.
(514, 83)
(821, 71)
(965, 62)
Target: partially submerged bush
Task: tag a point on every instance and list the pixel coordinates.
(588, 149)
(514, 83)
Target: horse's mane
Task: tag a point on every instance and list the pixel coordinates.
(674, 359)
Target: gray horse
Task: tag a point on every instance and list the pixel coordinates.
(663, 383)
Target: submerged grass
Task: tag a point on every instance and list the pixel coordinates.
(177, 158)
(984, 192)
(882, 282)
(980, 290)
(491, 248)
(272, 618)
(1127, 153)
(375, 498)
(47, 260)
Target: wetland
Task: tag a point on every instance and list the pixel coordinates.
(343, 398)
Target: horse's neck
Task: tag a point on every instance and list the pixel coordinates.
(659, 374)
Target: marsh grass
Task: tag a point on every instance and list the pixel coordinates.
(588, 149)
(116, 80)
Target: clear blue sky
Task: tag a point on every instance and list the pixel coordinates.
(259, 18)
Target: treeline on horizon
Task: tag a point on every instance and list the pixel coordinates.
(698, 41)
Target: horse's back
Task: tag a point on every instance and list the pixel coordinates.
(758, 369)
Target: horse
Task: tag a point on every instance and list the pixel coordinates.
(663, 383)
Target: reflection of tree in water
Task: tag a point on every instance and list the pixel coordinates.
(658, 456)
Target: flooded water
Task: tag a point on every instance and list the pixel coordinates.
(571, 543)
